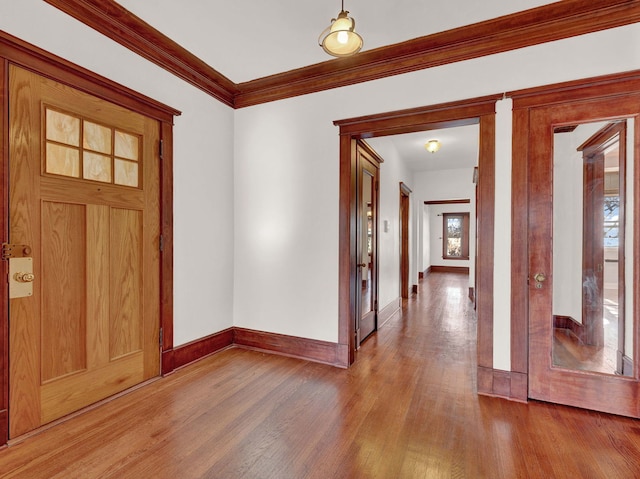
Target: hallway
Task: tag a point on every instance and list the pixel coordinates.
(408, 408)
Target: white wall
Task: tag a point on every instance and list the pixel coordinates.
(298, 132)
(392, 172)
(203, 161)
(425, 233)
(446, 185)
(245, 231)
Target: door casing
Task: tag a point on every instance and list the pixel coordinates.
(468, 112)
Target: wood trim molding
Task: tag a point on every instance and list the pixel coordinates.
(4, 228)
(519, 244)
(404, 189)
(51, 66)
(201, 348)
(166, 254)
(425, 118)
(120, 25)
(389, 311)
(472, 111)
(504, 384)
(571, 325)
(614, 84)
(448, 202)
(485, 240)
(302, 348)
(543, 24)
(449, 269)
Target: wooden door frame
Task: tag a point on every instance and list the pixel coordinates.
(405, 208)
(524, 101)
(27, 56)
(468, 112)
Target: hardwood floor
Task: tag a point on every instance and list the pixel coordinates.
(408, 408)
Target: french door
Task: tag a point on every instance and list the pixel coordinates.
(583, 254)
(367, 244)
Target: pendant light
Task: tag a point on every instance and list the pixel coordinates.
(339, 39)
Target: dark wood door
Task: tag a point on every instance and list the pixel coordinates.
(404, 240)
(565, 237)
(367, 234)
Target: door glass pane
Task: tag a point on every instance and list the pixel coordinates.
(367, 242)
(592, 258)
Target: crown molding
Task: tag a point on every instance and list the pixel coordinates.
(123, 27)
(543, 24)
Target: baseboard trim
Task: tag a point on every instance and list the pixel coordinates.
(389, 311)
(472, 294)
(4, 428)
(626, 362)
(571, 325)
(317, 351)
(201, 348)
(509, 385)
(414, 289)
(301, 348)
(427, 271)
(449, 269)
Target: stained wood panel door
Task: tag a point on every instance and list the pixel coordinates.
(558, 355)
(367, 245)
(84, 195)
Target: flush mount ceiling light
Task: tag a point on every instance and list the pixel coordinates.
(339, 39)
(432, 146)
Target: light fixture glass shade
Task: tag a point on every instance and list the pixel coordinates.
(340, 39)
(432, 146)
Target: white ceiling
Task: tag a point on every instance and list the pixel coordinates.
(249, 39)
(460, 146)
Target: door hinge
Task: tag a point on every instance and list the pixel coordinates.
(161, 149)
(161, 243)
(15, 250)
(160, 337)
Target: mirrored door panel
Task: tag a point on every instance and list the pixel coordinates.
(591, 291)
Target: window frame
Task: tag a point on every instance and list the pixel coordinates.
(465, 235)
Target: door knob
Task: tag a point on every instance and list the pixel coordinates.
(361, 265)
(540, 277)
(24, 277)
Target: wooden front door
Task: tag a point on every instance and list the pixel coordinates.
(84, 198)
(575, 335)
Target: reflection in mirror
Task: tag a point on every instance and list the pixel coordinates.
(367, 241)
(591, 282)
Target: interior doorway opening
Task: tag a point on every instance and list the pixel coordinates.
(473, 112)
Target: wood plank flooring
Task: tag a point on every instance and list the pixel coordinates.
(408, 408)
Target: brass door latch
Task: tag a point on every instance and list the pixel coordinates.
(21, 275)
